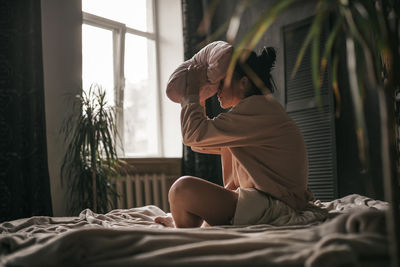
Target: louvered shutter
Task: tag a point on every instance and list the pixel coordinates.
(316, 123)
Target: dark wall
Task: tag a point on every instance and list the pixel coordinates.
(351, 176)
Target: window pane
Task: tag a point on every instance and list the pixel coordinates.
(135, 14)
(97, 59)
(141, 125)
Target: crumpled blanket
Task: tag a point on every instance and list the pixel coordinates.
(353, 235)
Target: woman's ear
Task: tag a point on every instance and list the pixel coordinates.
(245, 83)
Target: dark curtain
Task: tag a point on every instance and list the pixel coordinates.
(196, 164)
(24, 178)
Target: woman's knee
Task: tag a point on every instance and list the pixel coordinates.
(181, 189)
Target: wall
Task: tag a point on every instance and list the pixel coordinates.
(62, 64)
(171, 55)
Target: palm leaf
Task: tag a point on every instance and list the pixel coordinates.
(301, 53)
(234, 21)
(330, 42)
(335, 86)
(266, 19)
(205, 23)
(253, 36)
(361, 129)
(315, 69)
(90, 142)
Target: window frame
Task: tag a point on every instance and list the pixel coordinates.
(118, 32)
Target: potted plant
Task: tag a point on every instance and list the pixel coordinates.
(91, 157)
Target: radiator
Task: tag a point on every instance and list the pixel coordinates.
(140, 190)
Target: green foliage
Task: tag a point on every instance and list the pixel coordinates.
(368, 31)
(91, 157)
(250, 40)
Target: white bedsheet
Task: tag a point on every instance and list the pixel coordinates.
(354, 235)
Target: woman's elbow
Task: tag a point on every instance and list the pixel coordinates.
(188, 140)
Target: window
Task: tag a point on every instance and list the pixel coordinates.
(121, 52)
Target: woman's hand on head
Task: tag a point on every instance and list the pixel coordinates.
(196, 78)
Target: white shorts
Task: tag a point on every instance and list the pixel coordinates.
(255, 207)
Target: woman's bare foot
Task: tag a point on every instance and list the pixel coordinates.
(167, 221)
(205, 224)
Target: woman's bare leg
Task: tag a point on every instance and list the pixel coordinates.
(193, 200)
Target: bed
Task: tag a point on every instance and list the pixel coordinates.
(353, 235)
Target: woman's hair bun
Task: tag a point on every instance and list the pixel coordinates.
(267, 58)
(261, 65)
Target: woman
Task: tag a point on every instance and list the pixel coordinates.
(263, 154)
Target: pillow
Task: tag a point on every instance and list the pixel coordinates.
(216, 56)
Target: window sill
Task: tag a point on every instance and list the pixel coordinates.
(168, 166)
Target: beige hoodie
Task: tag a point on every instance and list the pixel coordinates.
(260, 146)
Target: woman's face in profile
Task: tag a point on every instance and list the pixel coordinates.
(229, 95)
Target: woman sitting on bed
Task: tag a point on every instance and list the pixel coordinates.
(263, 154)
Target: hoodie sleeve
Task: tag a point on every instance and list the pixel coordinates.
(215, 150)
(232, 129)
